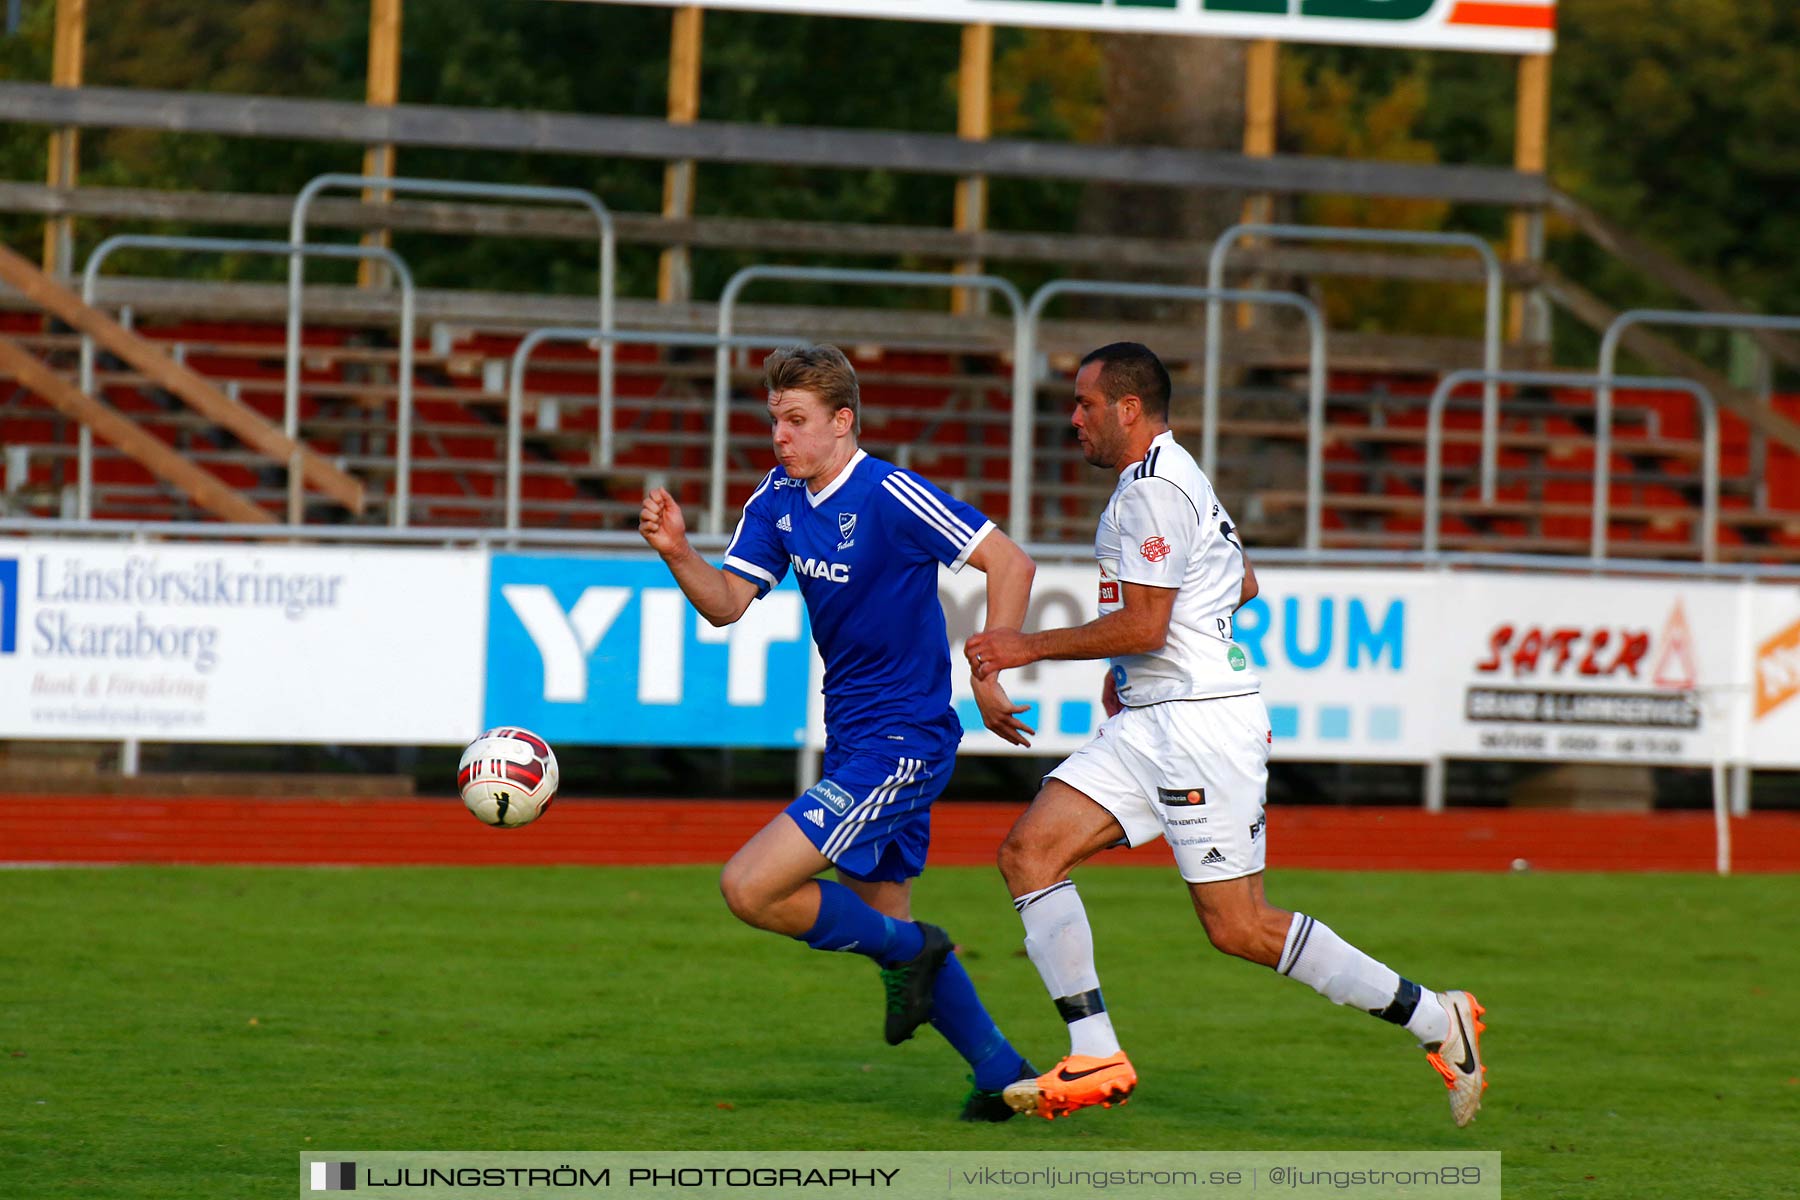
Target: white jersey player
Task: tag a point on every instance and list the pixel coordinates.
(1183, 755)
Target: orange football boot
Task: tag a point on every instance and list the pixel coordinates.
(1078, 1081)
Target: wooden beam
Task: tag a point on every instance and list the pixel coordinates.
(1262, 65)
(382, 90)
(46, 293)
(674, 268)
(1261, 84)
(67, 55)
(734, 233)
(115, 428)
(1531, 141)
(788, 145)
(1665, 270)
(974, 123)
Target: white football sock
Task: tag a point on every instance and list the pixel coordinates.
(1430, 1021)
(1342, 974)
(1061, 947)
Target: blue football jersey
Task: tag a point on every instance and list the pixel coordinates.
(866, 550)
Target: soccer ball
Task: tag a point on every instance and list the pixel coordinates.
(508, 777)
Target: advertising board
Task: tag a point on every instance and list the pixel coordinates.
(1494, 26)
(1336, 651)
(595, 650)
(232, 643)
(1587, 670)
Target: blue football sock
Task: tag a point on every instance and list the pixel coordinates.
(845, 923)
(957, 1013)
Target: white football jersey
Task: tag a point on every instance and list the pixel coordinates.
(1165, 527)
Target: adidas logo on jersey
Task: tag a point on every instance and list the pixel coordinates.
(1212, 856)
(817, 817)
(786, 524)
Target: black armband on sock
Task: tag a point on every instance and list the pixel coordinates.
(1404, 1004)
(1074, 1008)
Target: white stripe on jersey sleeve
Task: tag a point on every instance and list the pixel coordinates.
(749, 568)
(732, 560)
(930, 518)
(931, 502)
(987, 527)
(918, 510)
(739, 531)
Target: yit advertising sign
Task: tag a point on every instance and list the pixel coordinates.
(607, 651)
(1497, 26)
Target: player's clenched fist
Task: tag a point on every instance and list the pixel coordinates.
(661, 523)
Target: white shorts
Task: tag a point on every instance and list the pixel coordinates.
(1192, 771)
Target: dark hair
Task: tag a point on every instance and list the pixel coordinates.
(820, 369)
(1132, 369)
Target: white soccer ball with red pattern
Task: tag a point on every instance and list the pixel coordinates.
(508, 777)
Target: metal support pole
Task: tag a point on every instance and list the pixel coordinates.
(1020, 517)
(1740, 789)
(1434, 785)
(1609, 354)
(1709, 467)
(1490, 356)
(1315, 320)
(291, 417)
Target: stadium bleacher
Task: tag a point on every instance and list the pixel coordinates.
(944, 411)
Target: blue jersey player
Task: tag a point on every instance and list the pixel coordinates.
(865, 540)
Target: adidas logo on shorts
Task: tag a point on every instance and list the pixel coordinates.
(786, 525)
(1212, 856)
(817, 816)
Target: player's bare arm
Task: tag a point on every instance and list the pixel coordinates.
(718, 595)
(1140, 627)
(1248, 592)
(1009, 572)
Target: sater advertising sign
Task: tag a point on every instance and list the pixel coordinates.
(1498, 26)
(234, 643)
(1587, 670)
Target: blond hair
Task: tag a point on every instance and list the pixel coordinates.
(820, 369)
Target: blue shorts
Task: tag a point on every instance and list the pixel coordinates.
(871, 814)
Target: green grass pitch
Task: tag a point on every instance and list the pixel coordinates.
(183, 1033)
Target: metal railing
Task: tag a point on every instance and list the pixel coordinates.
(1709, 465)
(1020, 487)
(515, 397)
(1315, 411)
(603, 222)
(1490, 357)
(1609, 354)
(291, 400)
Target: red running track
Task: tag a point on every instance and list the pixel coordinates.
(79, 829)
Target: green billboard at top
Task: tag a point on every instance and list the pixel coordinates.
(1492, 26)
